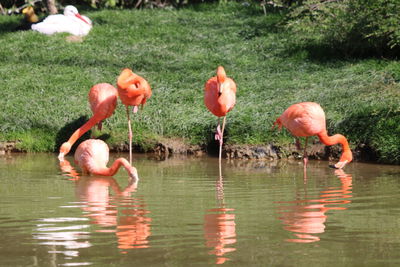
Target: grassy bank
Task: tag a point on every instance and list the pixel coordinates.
(45, 79)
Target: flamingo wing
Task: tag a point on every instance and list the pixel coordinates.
(103, 100)
(91, 155)
(304, 119)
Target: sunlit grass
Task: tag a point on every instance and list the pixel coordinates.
(45, 79)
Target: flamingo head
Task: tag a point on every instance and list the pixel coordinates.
(346, 158)
(221, 77)
(64, 149)
(133, 174)
(71, 11)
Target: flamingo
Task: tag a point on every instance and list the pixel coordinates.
(103, 100)
(71, 22)
(92, 156)
(220, 98)
(308, 119)
(133, 90)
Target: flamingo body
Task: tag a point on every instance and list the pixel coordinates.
(220, 94)
(103, 101)
(220, 98)
(308, 119)
(92, 157)
(133, 90)
(70, 22)
(304, 119)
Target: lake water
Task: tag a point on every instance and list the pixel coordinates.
(181, 213)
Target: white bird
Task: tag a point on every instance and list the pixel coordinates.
(71, 22)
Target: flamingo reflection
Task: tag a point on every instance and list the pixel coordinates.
(133, 227)
(220, 227)
(306, 218)
(130, 223)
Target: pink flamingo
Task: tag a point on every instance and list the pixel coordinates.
(133, 91)
(103, 100)
(308, 119)
(92, 157)
(220, 98)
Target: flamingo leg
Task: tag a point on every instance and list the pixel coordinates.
(130, 135)
(305, 157)
(221, 141)
(218, 133)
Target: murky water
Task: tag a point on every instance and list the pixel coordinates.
(181, 213)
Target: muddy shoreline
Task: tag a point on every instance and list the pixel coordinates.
(267, 152)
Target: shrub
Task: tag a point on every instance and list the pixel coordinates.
(351, 27)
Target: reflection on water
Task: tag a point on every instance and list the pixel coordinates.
(305, 217)
(104, 204)
(70, 237)
(220, 227)
(122, 211)
(133, 228)
(180, 213)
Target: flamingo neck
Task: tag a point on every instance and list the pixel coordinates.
(337, 139)
(115, 167)
(66, 147)
(221, 75)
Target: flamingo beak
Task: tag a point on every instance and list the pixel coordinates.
(220, 88)
(134, 176)
(81, 18)
(61, 156)
(339, 165)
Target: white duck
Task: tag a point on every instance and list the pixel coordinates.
(71, 22)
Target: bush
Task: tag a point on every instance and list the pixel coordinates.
(351, 27)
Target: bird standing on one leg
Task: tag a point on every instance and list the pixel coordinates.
(220, 98)
(308, 119)
(133, 91)
(103, 100)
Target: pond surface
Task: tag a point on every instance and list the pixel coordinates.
(181, 213)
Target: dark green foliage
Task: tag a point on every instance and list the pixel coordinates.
(348, 28)
(376, 129)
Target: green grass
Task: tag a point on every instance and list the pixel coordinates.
(45, 79)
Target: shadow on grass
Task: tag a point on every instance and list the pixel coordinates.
(376, 134)
(324, 53)
(8, 27)
(65, 132)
